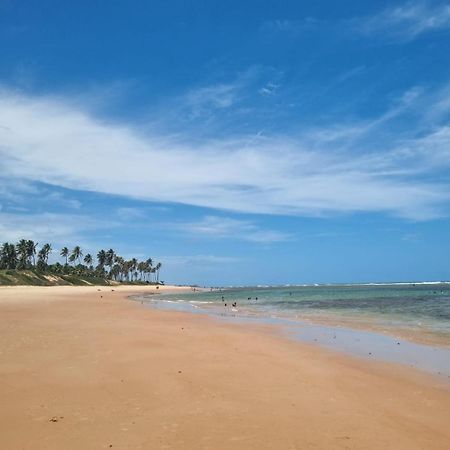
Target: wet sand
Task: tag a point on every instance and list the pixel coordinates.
(81, 371)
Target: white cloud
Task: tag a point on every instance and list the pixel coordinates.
(225, 227)
(52, 141)
(407, 21)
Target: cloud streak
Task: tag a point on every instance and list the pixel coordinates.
(49, 140)
(228, 228)
(408, 21)
(59, 229)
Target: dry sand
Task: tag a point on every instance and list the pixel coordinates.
(78, 371)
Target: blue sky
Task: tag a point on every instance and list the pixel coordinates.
(250, 142)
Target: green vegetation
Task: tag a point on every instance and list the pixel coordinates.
(23, 264)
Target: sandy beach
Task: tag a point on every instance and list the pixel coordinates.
(85, 367)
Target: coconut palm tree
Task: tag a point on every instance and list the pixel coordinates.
(76, 254)
(8, 256)
(43, 257)
(22, 254)
(149, 262)
(65, 253)
(122, 267)
(133, 267)
(31, 247)
(101, 258)
(115, 271)
(109, 260)
(141, 269)
(88, 259)
(45, 251)
(158, 268)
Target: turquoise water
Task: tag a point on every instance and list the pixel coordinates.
(417, 307)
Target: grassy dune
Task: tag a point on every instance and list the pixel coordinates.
(32, 278)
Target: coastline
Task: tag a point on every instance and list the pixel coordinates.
(112, 373)
(419, 334)
(347, 337)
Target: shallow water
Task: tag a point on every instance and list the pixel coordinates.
(414, 308)
(420, 307)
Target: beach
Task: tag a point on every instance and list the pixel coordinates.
(85, 367)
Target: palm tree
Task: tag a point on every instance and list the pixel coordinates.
(88, 259)
(22, 253)
(149, 267)
(133, 268)
(76, 254)
(120, 263)
(8, 256)
(31, 251)
(141, 267)
(109, 258)
(45, 251)
(158, 268)
(101, 258)
(65, 253)
(115, 271)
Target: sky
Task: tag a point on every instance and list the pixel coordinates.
(239, 142)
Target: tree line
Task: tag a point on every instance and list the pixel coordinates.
(107, 264)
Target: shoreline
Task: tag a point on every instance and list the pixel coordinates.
(364, 343)
(419, 335)
(82, 368)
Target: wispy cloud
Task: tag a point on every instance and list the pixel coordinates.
(408, 21)
(216, 96)
(269, 89)
(225, 227)
(64, 229)
(52, 141)
(198, 260)
(289, 26)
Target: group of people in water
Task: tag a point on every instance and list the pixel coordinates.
(234, 304)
